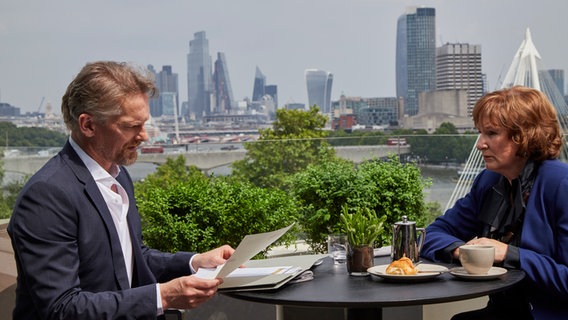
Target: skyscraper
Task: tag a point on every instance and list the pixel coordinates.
(415, 55)
(319, 84)
(458, 66)
(272, 90)
(264, 97)
(258, 86)
(167, 83)
(199, 84)
(222, 85)
(155, 109)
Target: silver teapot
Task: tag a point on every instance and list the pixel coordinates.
(404, 240)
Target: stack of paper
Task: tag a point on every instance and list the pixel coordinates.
(258, 274)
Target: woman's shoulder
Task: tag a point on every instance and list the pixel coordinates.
(555, 167)
(553, 170)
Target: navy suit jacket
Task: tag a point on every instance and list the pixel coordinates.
(68, 254)
(543, 250)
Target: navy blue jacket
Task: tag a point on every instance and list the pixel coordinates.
(68, 254)
(543, 249)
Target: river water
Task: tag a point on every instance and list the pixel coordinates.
(443, 182)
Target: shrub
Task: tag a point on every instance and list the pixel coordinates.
(385, 187)
(200, 213)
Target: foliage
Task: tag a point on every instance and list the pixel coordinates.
(294, 141)
(444, 146)
(386, 187)
(8, 198)
(171, 172)
(22, 137)
(362, 226)
(182, 209)
(30, 136)
(356, 138)
(9, 193)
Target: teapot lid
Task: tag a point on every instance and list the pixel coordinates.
(405, 221)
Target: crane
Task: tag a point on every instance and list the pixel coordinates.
(40, 104)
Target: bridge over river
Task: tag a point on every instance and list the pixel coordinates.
(206, 158)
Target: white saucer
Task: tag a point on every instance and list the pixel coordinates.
(493, 273)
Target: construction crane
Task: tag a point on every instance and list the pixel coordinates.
(40, 104)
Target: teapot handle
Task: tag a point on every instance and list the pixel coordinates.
(422, 236)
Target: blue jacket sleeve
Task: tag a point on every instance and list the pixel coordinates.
(458, 224)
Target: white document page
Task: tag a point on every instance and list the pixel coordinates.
(250, 246)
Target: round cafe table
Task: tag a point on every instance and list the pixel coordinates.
(364, 297)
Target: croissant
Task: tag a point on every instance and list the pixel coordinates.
(402, 266)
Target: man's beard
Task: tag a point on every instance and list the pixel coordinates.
(127, 158)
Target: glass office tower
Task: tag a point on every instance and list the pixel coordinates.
(222, 85)
(199, 86)
(259, 85)
(415, 55)
(167, 83)
(319, 89)
(168, 92)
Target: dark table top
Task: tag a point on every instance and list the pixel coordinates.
(332, 286)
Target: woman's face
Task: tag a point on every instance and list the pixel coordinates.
(498, 150)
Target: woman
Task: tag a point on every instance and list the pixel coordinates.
(519, 205)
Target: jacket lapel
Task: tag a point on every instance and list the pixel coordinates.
(95, 197)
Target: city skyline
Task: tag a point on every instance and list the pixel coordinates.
(45, 44)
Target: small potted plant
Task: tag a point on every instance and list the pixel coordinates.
(362, 227)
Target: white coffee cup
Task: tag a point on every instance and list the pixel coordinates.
(477, 259)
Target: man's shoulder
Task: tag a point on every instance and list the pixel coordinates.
(61, 168)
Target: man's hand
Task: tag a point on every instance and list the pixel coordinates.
(213, 258)
(190, 291)
(187, 292)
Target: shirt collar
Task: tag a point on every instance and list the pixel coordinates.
(94, 168)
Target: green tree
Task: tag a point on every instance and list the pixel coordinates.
(295, 140)
(356, 138)
(30, 136)
(322, 189)
(445, 145)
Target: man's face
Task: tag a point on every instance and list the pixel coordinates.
(116, 141)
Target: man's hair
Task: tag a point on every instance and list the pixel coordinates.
(529, 118)
(100, 89)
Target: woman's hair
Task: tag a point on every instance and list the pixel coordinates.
(529, 118)
(99, 90)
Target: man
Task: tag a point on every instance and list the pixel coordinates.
(75, 228)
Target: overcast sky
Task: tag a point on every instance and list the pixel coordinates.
(43, 44)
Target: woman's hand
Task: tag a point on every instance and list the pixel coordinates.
(500, 247)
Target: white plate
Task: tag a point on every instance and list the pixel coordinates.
(493, 273)
(427, 271)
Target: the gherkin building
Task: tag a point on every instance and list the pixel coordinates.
(525, 70)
